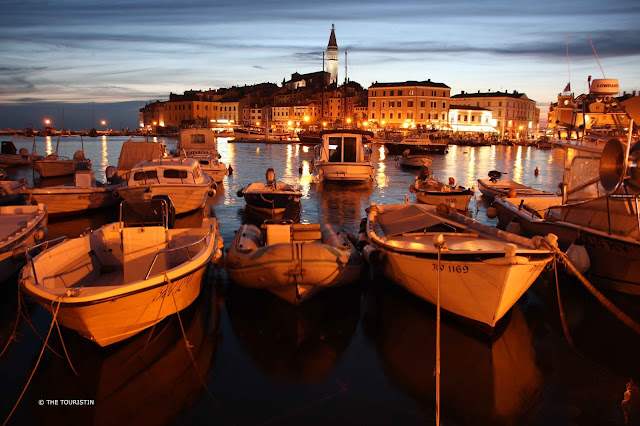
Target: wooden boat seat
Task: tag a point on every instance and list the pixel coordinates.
(278, 234)
(306, 232)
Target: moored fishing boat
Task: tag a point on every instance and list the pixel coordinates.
(10, 189)
(54, 165)
(413, 160)
(201, 144)
(495, 186)
(483, 270)
(181, 179)
(11, 156)
(342, 156)
(272, 200)
(126, 276)
(83, 194)
(293, 261)
(20, 228)
(430, 190)
(420, 143)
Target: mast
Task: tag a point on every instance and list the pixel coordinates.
(344, 110)
(323, 84)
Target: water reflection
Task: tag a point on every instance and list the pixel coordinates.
(49, 148)
(344, 204)
(148, 379)
(481, 383)
(105, 159)
(295, 344)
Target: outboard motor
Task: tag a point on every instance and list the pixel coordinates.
(494, 175)
(111, 174)
(271, 177)
(3, 175)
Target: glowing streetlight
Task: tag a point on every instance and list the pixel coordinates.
(306, 118)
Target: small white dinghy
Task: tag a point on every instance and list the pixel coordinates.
(124, 277)
(20, 228)
(293, 261)
(483, 270)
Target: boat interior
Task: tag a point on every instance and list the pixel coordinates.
(118, 254)
(278, 233)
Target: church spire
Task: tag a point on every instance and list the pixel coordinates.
(332, 56)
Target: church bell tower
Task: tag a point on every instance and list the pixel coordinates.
(332, 57)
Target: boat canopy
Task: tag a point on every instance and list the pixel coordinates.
(409, 218)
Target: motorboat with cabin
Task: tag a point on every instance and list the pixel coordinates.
(293, 261)
(124, 277)
(10, 189)
(343, 157)
(483, 271)
(182, 179)
(424, 142)
(271, 199)
(200, 143)
(21, 227)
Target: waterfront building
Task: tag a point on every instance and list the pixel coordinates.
(152, 115)
(332, 57)
(471, 120)
(409, 104)
(516, 116)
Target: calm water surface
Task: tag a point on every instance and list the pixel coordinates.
(358, 355)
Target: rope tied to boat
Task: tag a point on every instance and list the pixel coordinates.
(44, 346)
(188, 346)
(563, 259)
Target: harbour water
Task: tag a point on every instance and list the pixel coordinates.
(363, 354)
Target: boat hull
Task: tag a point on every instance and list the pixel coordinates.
(342, 172)
(72, 200)
(185, 198)
(458, 199)
(502, 187)
(51, 168)
(17, 232)
(395, 148)
(480, 291)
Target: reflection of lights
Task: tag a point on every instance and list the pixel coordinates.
(49, 147)
(383, 152)
(517, 171)
(258, 149)
(287, 169)
(305, 148)
(105, 155)
(306, 178)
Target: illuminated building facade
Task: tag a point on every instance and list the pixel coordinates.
(332, 56)
(409, 104)
(515, 115)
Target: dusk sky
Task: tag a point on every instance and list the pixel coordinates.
(86, 51)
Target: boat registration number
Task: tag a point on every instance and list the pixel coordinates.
(457, 269)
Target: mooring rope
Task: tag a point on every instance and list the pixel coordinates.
(565, 326)
(188, 346)
(53, 321)
(598, 295)
(12, 336)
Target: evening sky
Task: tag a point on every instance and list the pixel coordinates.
(84, 51)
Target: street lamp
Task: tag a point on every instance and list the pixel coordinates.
(104, 123)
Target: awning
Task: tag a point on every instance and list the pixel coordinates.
(469, 128)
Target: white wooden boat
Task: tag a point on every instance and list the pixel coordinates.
(529, 213)
(495, 186)
(126, 276)
(53, 165)
(430, 190)
(11, 156)
(20, 228)
(272, 200)
(413, 160)
(293, 261)
(483, 271)
(181, 179)
(342, 156)
(83, 194)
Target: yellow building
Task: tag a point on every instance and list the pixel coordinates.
(514, 113)
(471, 120)
(409, 104)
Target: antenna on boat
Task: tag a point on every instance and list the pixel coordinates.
(597, 59)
